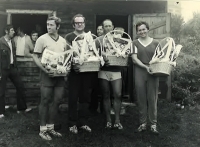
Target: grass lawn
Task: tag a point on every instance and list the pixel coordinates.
(178, 128)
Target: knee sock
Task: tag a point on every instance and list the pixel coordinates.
(50, 126)
(43, 128)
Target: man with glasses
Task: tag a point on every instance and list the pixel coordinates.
(79, 84)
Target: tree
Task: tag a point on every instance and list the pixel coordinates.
(192, 30)
(177, 24)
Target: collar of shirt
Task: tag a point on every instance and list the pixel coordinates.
(7, 40)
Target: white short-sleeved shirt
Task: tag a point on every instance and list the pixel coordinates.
(46, 42)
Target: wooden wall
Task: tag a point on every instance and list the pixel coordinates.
(66, 9)
(30, 76)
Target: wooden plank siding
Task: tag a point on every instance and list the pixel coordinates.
(66, 9)
(30, 76)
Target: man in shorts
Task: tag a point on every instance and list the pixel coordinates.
(52, 88)
(110, 76)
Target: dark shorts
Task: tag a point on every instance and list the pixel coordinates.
(47, 81)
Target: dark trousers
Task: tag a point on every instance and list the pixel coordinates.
(147, 95)
(95, 91)
(79, 92)
(15, 78)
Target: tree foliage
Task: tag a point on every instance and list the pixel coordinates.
(176, 27)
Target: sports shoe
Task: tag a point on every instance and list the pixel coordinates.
(24, 111)
(118, 126)
(86, 128)
(154, 129)
(1, 115)
(108, 125)
(7, 107)
(44, 135)
(73, 129)
(112, 112)
(142, 127)
(54, 133)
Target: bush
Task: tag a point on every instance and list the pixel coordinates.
(186, 76)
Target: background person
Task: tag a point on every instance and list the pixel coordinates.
(99, 30)
(29, 46)
(21, 40)
(94, 104)
(8, 69)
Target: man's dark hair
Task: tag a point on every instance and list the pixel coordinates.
(21, 29)
(33, 32)
(8, 27)
(56, 19)
(77, 15)
(142, 23)
(100, 25)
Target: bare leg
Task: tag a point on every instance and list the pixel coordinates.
(46, 96)
(117, 88)
(105, 90)
(53, 106)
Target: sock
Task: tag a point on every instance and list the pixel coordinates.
(117, 121)
(50, 126)
(43, 128)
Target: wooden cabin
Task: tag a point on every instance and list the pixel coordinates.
(32, 15)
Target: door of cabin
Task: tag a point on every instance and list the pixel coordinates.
(159, 24)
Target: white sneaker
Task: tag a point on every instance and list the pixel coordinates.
(112, 111)
(44, 135)
(24, 111)
(28, 109)
(1, 115)
(154, 129)
(86, 128)
(54, 133)
(73, 129)
(7, 107)
(142, 128)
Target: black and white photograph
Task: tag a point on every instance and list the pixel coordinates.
(99, 73)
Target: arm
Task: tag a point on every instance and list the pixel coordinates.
(38, 50)
(27, 52)
(28, 48)
(38, 63)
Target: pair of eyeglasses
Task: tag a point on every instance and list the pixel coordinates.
(79, 23)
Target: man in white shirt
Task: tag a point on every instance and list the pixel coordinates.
(52, 88)
(21, 40)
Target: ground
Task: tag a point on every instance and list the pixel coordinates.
(177, 127)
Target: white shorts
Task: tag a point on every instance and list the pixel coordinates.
(109, 75)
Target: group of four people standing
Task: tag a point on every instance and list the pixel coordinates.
(52, 88)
